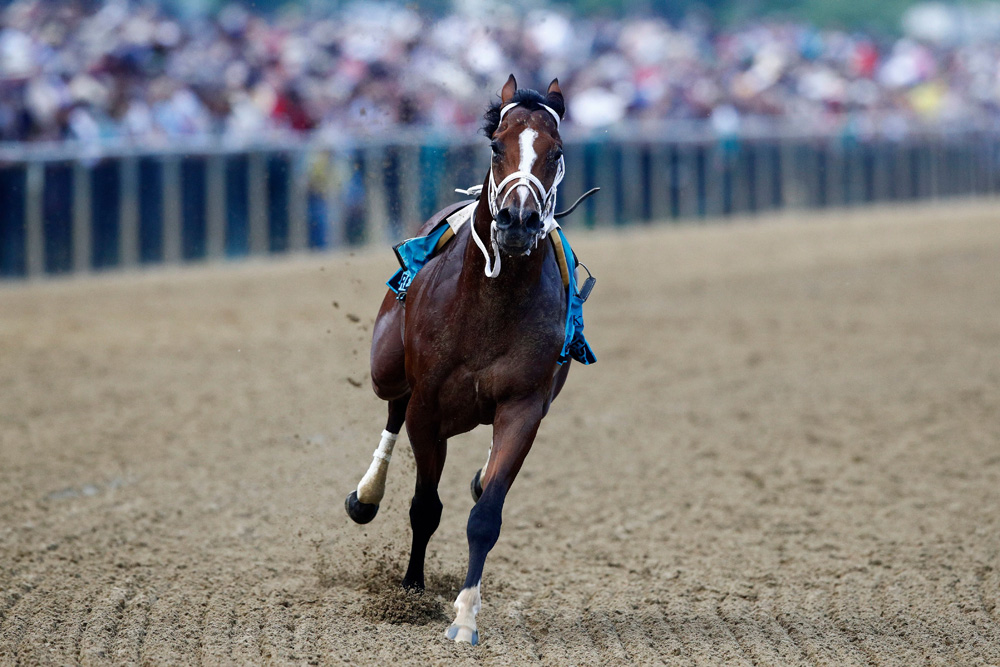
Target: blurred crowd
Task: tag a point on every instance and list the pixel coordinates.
(128, 71)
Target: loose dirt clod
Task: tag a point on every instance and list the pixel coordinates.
(394, 604)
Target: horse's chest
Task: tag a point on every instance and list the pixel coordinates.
(491, 360)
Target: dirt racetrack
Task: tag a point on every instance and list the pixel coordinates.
(788, 454)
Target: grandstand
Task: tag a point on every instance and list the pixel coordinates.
(132, 135)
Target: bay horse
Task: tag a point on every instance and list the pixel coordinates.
(472, 344)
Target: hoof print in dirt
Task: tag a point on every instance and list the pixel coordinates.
(358, 511)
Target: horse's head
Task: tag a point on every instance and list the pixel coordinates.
(527, 164)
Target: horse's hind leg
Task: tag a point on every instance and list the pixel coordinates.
(362, 504)
(389, 383)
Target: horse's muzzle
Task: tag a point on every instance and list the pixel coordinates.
(517, 229)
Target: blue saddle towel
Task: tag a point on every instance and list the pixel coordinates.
(415, 253)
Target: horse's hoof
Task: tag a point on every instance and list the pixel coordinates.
(462, 633)
(476, 487)
(413, 586)
(358, 511)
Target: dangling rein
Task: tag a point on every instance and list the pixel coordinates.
(563, 214)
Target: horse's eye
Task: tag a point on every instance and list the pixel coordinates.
(497, 148)
(556, 154)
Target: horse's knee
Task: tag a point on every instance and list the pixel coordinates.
(483, 529)
(425, 513)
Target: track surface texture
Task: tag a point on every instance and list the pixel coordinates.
(788, 454)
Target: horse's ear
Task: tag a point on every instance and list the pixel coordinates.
(509, 88)
(554, 98)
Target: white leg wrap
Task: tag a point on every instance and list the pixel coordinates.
(371, 488)
(467, 605)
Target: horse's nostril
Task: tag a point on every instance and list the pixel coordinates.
(519, 218)
(532, 221)
(504, 219)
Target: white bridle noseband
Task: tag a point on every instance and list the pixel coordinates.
(545, 200)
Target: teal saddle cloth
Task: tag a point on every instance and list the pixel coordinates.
(414, 254)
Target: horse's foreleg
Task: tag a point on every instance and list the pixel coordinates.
(429, 453)
(362, 504)
(514, 430)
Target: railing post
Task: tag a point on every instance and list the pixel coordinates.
(974, 170)
(898, 170)
(687, 181)
(82, 240)
(376, 201)
(259, 220)
(743, 178)
(607, 210)
(632, 181)
(298, 199)
(854, 191)
(792, 191)
(128, 212)
(926, 183)
(835, 195)
(765, 175)
(660, 182)
(172, 210)
(934, 167)
(575, 182)
(409, 167)
(215, 207)
(342, 163)
(34, 236)
(711, 178)
(991, 165)
(949, 169)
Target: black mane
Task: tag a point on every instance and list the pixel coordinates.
(525, 97)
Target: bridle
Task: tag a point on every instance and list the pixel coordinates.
(545, 200)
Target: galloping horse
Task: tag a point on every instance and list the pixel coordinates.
(473, 344)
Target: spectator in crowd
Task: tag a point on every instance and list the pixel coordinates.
(124, 71)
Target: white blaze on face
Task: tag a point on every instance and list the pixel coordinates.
(526, 142)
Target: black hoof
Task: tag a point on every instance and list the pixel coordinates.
(476, 487)
(358, 511)
(413, 586)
